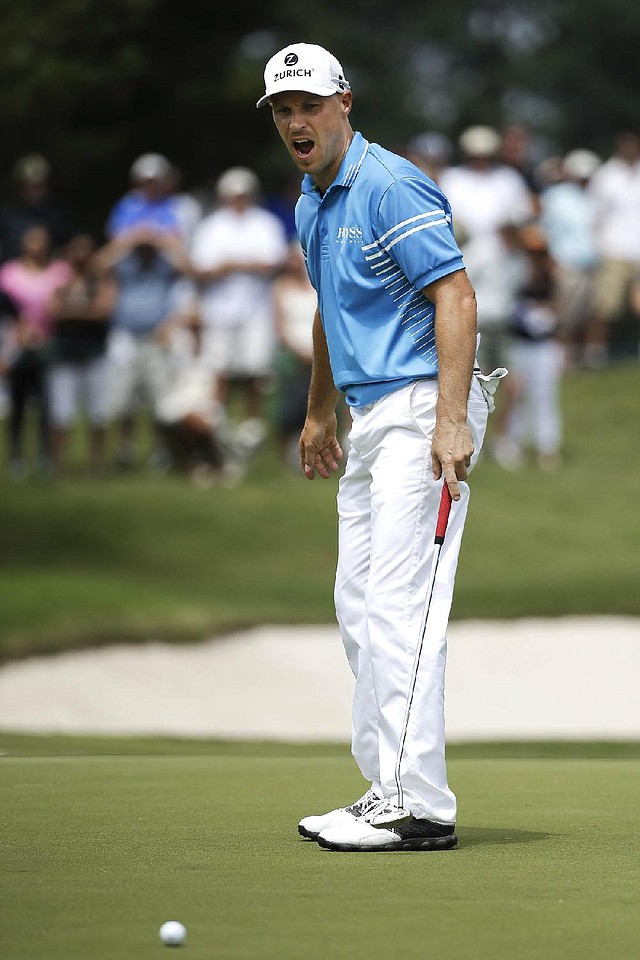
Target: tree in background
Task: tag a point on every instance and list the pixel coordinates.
(92, 85)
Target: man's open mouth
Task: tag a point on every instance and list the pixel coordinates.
(303, 147)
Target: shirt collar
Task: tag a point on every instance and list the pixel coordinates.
(348, 171)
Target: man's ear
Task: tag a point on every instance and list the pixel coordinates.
(346, 101)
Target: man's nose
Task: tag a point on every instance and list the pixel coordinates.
(296, 121)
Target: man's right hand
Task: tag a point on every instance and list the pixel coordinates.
(319, 448)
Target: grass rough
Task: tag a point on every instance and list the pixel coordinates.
(139, 557)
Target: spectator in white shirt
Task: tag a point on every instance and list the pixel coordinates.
(236, 252)
(489, 200)
(483, 192)
(568, 218)
(615, 188)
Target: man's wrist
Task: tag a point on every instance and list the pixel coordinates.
(320, 416)
(322, 403)
(455, 417)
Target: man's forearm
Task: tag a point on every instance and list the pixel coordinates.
(456, 351)
(319, 447)
(323, 394)
(456, 327)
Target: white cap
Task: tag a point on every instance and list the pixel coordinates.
(480, 141)
(581, 164)
(150, 166)
(303, 66)
(237, 181)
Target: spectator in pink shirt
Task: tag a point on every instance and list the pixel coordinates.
(30, 281)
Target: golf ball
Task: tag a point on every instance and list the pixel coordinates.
(173, 933)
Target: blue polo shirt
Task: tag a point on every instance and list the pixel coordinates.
(380, 233)
(134, 210)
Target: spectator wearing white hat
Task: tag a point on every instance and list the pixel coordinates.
(568, 218)
(483, 192)
(488, 199)
(150, 203)
(236, 252)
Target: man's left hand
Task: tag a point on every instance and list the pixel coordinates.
(451, 452)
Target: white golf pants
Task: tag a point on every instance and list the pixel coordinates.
(387, 507)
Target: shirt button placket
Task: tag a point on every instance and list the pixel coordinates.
(324, 235)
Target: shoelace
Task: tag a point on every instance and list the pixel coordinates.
(364, 804)
(384, 808)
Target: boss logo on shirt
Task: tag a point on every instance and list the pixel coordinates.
(349, 235)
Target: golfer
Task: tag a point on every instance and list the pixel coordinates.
(395, 332)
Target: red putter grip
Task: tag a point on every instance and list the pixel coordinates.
(443, 514)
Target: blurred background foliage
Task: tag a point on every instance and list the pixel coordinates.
(91, 85)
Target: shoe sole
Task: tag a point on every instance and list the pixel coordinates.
(424, 843)
(307, 834)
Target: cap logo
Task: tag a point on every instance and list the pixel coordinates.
(290, 59)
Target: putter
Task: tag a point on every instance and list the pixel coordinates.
(441, 528)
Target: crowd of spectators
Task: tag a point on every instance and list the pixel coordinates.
(552, 247)
(171, 316)
(198, 314)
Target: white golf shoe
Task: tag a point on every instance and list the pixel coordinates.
(386, 827)
(310, 827)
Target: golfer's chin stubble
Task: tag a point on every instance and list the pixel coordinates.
(304, 164)
(316, 166)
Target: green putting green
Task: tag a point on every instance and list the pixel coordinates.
(106, 839)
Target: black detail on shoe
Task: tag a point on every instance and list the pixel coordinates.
(412, 834)
(413, 829)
